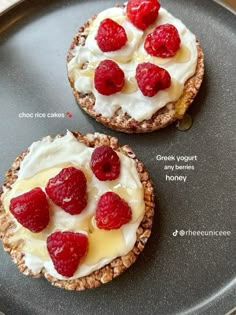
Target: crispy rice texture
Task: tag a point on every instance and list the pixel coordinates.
(115, 267)
(122, 121)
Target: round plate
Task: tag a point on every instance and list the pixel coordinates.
(189, 274)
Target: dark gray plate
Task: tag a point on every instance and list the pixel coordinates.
(174, 275)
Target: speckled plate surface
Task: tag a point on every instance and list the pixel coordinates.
(174, 275)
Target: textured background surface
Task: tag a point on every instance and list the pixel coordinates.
(5, 4)
(174, 275)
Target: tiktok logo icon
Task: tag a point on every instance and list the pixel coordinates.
(175, 233)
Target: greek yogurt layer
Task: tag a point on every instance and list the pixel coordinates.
(46, 158)
(131, 100)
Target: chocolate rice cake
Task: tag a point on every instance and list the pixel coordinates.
(121, 121)
(115, 267)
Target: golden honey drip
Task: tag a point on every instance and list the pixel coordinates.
(185, 123)
(103, 244)
(130, 86)
(182, 55)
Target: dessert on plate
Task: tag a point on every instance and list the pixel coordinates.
(135, 67)
(76, 209)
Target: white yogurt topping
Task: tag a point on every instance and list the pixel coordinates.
(45, 159)
(181, 67)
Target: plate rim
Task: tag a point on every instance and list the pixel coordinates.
(18, 2)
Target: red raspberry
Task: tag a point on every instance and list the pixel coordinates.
(163, 42)
(110, 36)
(112, 212)
(68, 190)
(31, 210)
(66, 249)
(151, 78)
(142, 13)
(105, 163)
(108, 78)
